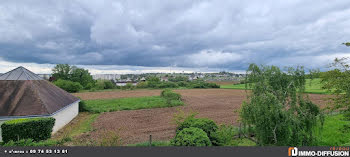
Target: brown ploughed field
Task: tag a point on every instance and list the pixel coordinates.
(136, 125)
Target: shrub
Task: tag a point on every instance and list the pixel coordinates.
(128, 86)
(197, 85)
(172, 98)
(100, 85)
(183, 84)
(191, 137)
(109, 84)
(152, 81)
(168, 94)
(68, 86)
(34, 128)
(167, 85)
(202, 84)
(142, 85)
(207, 125)
(89, 86)
(224, 136)
(82, 106)
(212, 85)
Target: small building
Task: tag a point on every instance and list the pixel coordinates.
(123, 83)
(24, 94)
(164, 79)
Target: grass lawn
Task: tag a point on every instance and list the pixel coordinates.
(81, 124)
(233, 86)
(110, 105)
(335, 132)
(311, 86)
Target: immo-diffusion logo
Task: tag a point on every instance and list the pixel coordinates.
(293, 151)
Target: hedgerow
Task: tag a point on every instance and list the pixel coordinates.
(27, 128)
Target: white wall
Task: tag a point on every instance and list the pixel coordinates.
(62, 117)
(65, 116)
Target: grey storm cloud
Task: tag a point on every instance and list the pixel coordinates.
(182, 33)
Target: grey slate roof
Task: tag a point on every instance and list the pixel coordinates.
(20, 73)
(23, 93)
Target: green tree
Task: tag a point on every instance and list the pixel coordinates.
(82, 76)
(337, 81)
(153, 81)
(74, 74)
(62, 71)
(277, 112)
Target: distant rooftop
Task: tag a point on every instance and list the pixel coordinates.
(20, 73)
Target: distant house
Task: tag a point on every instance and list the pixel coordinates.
(123, 83)
(164, 79)
(27, 95)
(143, 79)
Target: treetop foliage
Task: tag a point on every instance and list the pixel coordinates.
(337, 81)
(74, 74)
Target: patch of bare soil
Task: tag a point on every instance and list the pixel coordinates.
(136, 125)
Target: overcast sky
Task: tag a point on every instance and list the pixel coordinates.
(127, 36)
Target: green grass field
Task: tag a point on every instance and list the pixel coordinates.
(311, 86)
(335, 131)
(110, 105)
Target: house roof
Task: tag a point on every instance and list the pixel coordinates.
(23, 93)
(20, 73)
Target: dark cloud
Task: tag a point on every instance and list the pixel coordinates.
(154, 33)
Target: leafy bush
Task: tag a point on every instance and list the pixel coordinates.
(207, 125)
(172, 98)
(152, 81)
(128, 86)
(212, 85)
(167, 85)
(34, 128)
(109, 84)
(224, 136)
(82, 106)
(183, 84)
(68, 86)
(99, 85)
(168, 94)
(142, 85)
(202, 84)
(89, 86)
(191, 137)
(104, 84)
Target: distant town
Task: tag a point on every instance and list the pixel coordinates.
(123, 79)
